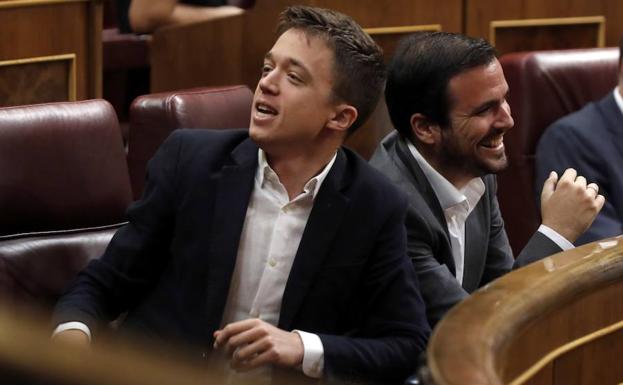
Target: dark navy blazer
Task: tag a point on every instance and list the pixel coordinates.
(170, 267)
(591, 141)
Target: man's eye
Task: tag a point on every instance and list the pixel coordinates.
(294, 77)
(484, 110)
(266, 69)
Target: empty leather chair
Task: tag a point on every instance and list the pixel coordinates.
(153, 117)
(62, 166)
(36, 268)
(544, 86)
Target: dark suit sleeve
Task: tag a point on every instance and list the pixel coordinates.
(560, 148)
(135, 257)
(386, 346)
(440, 289)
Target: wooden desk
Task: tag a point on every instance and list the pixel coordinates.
(558, 321)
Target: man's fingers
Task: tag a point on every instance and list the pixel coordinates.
(600, 201)
(569, 175)
(592, 189)
(245, 357)
(222, 336)
(265, 357)
(243, 339)
(549, 186)
(580, 181)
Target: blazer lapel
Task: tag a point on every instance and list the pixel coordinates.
(421, 183)
(322, 226)
(234, 186)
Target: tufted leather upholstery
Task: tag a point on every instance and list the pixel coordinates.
(153, 117)
(544, 86)
(62, 166)
(36, 268)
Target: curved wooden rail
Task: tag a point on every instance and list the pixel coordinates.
(557, 321)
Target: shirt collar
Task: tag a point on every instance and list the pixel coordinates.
(447, 194)
(618, 99)
(264, 171)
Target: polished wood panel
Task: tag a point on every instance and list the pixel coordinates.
(537, 34)
(539, 324)
(40, 80)
(199, 54)
(55, 27)
(479, 14)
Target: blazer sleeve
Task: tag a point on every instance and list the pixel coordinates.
(136, 255)
(439, 287)
(385, 346)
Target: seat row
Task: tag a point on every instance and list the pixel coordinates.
(66, 179)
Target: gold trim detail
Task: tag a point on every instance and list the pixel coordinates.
(600, 21)
(402, 29)
(29, 3)
(71, 57)
(551, 356)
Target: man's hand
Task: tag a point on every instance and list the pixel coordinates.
(569, 205)
(253, 343)
(72, 336)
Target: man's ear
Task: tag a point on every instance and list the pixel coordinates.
(344, 117)
(424, 130)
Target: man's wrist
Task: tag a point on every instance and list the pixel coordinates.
(313, 354)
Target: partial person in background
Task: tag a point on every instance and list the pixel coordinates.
(446, 96)
(273, 247)
(591, 141)
(145, 16)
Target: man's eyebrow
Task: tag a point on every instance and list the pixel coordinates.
(291, 62)
(484, 106)
(296, 63)
(489, 103)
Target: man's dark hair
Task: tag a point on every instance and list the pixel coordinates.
(359, 68)
(420, 72)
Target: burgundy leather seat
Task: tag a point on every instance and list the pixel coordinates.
(153, 117)
(36, 268)
(62, 166)
(544, 86)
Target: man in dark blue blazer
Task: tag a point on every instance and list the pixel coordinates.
(591, 141)
(272, 248)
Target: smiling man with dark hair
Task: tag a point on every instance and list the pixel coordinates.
(272, 248)
(446, 96)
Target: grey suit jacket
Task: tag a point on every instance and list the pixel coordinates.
(487, 251)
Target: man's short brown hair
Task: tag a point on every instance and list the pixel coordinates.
(359, 68)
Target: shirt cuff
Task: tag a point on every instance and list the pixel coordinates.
(313, 354)
(73, 326)
(558, 239)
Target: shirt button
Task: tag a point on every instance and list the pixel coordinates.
(272, 262)
(254, 313)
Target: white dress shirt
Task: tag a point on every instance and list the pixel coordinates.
(270, 238)
(458, 204)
